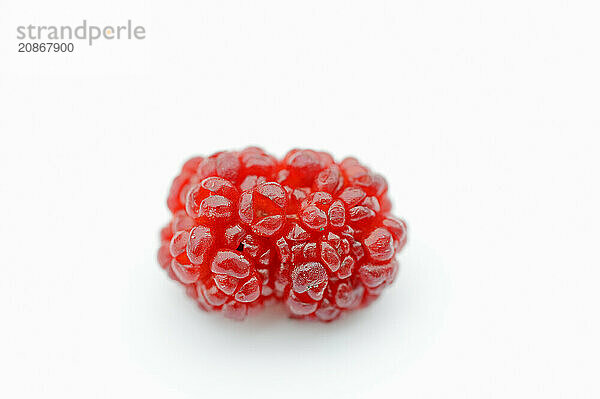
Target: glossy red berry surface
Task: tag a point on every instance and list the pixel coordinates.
(315, 234)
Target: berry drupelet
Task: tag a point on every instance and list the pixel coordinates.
(312, 233)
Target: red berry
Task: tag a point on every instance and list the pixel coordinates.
(312, 233)
(380, 245)
(230, 263)
(199, 243)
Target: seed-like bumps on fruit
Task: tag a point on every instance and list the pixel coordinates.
(249, 229)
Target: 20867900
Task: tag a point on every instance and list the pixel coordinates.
(45, 47)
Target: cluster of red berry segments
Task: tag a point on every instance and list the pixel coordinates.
(248, 228)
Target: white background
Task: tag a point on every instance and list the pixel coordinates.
(484, 117)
